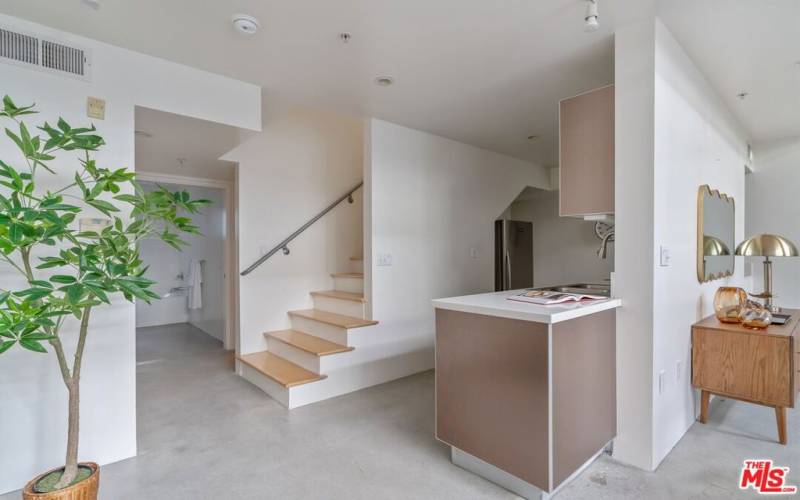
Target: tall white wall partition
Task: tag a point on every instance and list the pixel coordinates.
(34, 400)
(673, 134)
(431, 206)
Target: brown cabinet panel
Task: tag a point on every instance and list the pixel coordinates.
(492, 391)
(586, 166)
(584, 390)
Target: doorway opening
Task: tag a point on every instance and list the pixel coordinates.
(198, 284)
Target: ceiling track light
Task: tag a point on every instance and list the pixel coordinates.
(590, 20)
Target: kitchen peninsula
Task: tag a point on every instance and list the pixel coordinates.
(525, 394)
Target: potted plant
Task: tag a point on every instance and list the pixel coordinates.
(65, 272)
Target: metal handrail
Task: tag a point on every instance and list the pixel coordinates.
(283, 245)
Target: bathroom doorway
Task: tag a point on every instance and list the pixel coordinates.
(192, 282)
(197, 284)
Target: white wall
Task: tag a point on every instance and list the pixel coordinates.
(165, 261)
(32, 393)
(564, 248)
(634, 71)
(301, 162)
(772, 207)
(431, 201)
(695, 141)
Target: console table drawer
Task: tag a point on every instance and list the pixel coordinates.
(744, 366)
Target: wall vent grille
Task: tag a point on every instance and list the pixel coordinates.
(51, 56)
(63, 58)
(19, 47)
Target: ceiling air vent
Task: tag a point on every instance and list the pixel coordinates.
(46, 55)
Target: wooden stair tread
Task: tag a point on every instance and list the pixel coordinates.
(278, 369)
(348, 275)
(308, 343)
(333, 319)
(356, 258)
(338, 294)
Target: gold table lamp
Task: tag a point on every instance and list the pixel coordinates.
(767, 245)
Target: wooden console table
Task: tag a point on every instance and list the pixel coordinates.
(757, 366)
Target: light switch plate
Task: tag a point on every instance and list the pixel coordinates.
(662, 382)
(473, 252)
(96, 108)
(665, 257)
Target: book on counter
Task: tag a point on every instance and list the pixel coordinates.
(549, 297)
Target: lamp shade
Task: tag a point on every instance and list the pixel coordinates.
(713, 246)
(767, 245)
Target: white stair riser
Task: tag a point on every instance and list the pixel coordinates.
(275, 390)
(325, 331)
(356, 266)
(317, 364)
(339, 306)
(291, 353)
(358, 375)
(354, 285)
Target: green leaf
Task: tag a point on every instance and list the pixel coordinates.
(103, 206)
(6, 345)
(63, 279)
(32, 345)
(74, 293)
(41, 284)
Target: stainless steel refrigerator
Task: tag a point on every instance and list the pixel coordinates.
(513, 255)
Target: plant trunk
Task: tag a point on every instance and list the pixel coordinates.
(71, 466)
(73, 387)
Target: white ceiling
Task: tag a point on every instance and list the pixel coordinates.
(486, 72)
(748, 46)
(200, 143)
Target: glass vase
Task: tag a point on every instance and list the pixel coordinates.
(729, 302)
(756, 316)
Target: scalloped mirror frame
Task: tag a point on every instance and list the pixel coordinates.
(705, 189)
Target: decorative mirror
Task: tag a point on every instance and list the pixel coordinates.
(715, 234)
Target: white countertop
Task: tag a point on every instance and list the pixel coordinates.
(497, 304)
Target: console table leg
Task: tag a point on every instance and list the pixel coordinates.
(780, 416)
(705, 396)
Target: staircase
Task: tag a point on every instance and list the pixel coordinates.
(316, 358)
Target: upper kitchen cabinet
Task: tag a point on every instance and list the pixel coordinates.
(586, 176)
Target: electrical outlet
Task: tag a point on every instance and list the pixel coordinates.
(384, 259)
(662, 381)
(665, 257)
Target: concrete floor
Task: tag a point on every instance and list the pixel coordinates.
(206, 434)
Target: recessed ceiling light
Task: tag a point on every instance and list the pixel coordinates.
(384, 81)
(742, 95)
(142, 133)
(244, 23)
(95, 4)
(345, 37)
